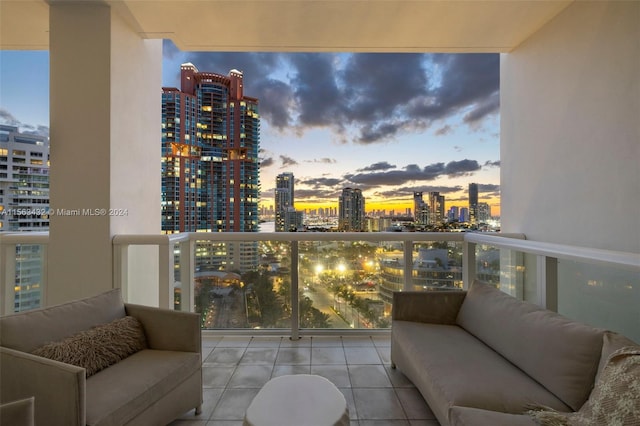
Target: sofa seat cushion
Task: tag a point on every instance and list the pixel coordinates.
(466, 416)
(117, 394)
(452, 367)
(561, 354)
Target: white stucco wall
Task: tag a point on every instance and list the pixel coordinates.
(105, 104)
(136, 105)
(570, 137)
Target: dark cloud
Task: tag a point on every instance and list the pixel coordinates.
(382, 165)
(413, 172)
(275, 98)
(321, 182)
(319, 100)
(318, 195)
(482, 108)
(461, 168)
(483, 188)
(267, 162)
(323, 160)
(407, 191)
(444, 130)
(467, 80)
(492, 163)
(287, 161)
(381, 94)
(382, 130)
(377, 84)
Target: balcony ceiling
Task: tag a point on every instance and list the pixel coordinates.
(307, 25)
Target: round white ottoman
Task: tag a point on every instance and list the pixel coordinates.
(298, 400)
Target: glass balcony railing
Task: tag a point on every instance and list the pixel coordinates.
(319, 282)
(22, 271)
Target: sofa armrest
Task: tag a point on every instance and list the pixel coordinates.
(167, 329)
(435, 307)
(58, 388)
(18, 413)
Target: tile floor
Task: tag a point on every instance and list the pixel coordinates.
(236, 367)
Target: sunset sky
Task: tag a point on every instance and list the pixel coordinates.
(389, 124)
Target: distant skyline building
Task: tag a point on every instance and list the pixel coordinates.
(464, 214)
(24, 204)
(436, 208)
(473, 203)
(24, 181)
(210, 143)
(293, 220)
(484, 212)
(210, 165)
(284, 200)
(351, 208)
(420, 209)
(453, 214)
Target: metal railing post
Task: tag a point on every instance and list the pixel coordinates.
(44, 273)
(8, 278)
(468, 264)
(295, 302)
(547, 282)
(408, 266)
(121, 269)
(187, 275)
(165, 275)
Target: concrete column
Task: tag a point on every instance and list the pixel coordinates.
(105, 147)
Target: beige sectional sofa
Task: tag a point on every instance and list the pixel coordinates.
(483, 357)
(152, 386)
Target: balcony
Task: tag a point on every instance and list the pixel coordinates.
(342, 281)
(594, 286)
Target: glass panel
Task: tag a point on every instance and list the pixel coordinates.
(437, 265)
(505, 269)
(29, 279)
(601, 296)
(236, 287)
(177, 288)
(340, 285)
(488, 265)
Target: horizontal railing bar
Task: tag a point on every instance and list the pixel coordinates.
(327, 236)
(24, 237)
(559, 251)
(304, 332)
(508, 241)
(140, 239)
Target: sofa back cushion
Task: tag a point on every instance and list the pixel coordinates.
(560, 354)
(29, 330)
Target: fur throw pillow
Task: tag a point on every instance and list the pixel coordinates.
(99, 347)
